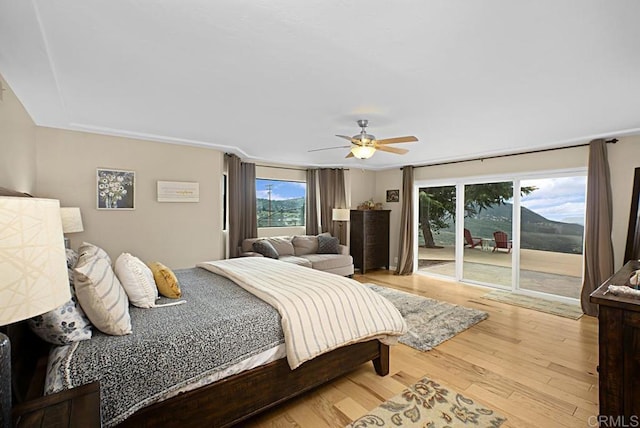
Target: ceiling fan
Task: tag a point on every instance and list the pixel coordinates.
(365, 145)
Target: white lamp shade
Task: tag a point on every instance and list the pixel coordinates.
(363, 152)
(340, 214)
(71, 220)
(33, 263)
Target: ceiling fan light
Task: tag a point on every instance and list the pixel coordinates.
(363, 152)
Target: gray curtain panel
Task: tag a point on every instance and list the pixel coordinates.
(312, 202)
(243, 222)
(598, 248)
(405, 247)
(332, 195)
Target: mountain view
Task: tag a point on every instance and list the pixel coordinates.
(281, 212)
(538, 232)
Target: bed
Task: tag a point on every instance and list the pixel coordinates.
(194, 399)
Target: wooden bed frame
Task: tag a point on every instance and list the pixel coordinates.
(220, 404)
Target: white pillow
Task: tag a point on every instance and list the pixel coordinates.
(101, 295)
(89, 249)
(137, 280)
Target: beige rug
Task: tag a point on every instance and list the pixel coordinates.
(543, 305)
(426, 404)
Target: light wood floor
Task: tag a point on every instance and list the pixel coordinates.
(536, 369)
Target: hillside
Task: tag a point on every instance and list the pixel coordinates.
(285, 212)
(538, 232)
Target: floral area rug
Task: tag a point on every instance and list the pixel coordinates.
(430, 321)
(426, 404)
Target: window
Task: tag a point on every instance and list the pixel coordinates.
(280, 203)
(522, 234)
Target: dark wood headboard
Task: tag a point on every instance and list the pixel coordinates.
(28, 351)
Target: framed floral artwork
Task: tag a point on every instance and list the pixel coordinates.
(393, 195)
(115, 189)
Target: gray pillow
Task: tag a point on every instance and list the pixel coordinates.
(265, 248)
(328, 245)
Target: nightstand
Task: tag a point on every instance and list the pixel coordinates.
(78, 407)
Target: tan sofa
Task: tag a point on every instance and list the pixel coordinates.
(302, 250)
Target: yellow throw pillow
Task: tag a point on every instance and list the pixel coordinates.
(166, 280)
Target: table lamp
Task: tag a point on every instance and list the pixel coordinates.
(71, 222)
(340, 215)
(33, 273)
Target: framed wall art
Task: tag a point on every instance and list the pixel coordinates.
(115, 189)
(178, 191)
(393, 195)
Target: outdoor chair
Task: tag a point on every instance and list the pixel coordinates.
(501, 241)
(470, 240)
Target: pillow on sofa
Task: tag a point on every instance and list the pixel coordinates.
(137, 280)
(265, 248)
(101, 295)
(305, 244)
(282, 245)
(328, 245)
(166, 280)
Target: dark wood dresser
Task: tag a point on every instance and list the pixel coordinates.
(370, 239)
(619, 350)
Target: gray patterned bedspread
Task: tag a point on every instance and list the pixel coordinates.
(170, 347)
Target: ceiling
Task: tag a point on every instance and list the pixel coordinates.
(272, 79)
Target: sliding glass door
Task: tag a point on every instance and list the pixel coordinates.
(487, 233)
(551, 235)
(523, 234)
(436, 230)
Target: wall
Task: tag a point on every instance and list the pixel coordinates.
(17, 144)
(361, 184)
(176, 234)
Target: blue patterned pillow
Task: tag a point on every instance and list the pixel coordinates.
(265, 248)
(65, 324)
(328, 245)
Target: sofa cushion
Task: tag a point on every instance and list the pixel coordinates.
(328, 261)
(301, 261)
(305, 244)
(328, 245)
(264, 247)
(247, 244)
(283, 245)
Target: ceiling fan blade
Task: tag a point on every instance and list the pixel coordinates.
(408, 139)
(392, 150)
(328, 148)
(350, 155)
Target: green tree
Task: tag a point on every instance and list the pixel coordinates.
(438, 204)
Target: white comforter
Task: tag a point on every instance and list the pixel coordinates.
(320, 311)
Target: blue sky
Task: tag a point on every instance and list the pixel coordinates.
(280, 189)
(560, 199)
